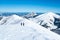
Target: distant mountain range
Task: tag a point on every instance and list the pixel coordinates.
(17, 13)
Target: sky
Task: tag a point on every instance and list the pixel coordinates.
(29, 5)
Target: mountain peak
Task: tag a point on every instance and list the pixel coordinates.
(51, 13)
(11, 19)
(16, 16)
(48, 19)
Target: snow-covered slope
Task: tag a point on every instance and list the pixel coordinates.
(14, 19)
(46, 20)
(29, 31)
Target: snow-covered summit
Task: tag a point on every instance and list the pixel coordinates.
(46, 19)
(10, 19)
(53, 14)
(49, 14)
(16, 16)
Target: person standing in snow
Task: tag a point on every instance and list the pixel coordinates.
(23, 23)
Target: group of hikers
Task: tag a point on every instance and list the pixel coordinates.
(22, 23)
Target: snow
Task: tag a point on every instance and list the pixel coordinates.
(30, 15)
(3, 20)
(30, 31)
(10, 20)
(46, 18)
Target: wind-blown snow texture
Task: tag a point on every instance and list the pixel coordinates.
(13, 30)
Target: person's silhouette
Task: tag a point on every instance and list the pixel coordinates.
(21, 23)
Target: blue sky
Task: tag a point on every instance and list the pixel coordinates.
(29, 5)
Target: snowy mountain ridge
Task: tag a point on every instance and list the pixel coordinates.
(46, 20)
(10, 19)
(30, 31)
